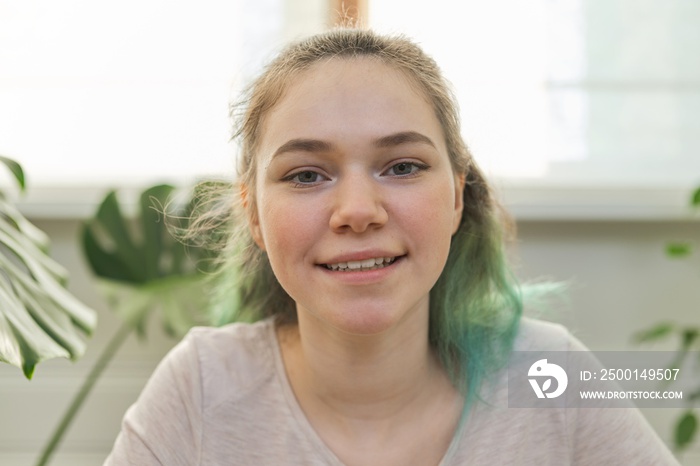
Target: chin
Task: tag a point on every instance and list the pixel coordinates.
(365, 327)
(367, 322)
(367, 317)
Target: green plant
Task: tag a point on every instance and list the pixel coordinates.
(39, 318)
(142, 267)
(682, 249)
(686, 425)
(688, 338)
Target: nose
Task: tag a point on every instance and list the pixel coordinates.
(358, 204)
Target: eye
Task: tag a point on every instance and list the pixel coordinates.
(405, 168)
(305, 177)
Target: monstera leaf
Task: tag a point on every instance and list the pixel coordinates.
(39, 318)
(142, 267)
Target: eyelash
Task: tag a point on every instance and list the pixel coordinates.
(298, 184)
(418, 166)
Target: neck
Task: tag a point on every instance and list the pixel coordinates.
(372, 396)
(362, 378)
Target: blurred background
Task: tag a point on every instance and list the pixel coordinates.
(585, 113)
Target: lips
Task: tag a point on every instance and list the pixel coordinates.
(360, 265)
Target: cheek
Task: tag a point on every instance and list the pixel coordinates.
(287, 229)
(429, 216)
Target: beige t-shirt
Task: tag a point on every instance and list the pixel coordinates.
(221, 397)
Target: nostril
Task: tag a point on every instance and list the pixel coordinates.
(358, 215)
(358, 221)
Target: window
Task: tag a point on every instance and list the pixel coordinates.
(131, 92)
(582, 93)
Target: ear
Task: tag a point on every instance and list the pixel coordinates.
(252, 215)
(459, 202)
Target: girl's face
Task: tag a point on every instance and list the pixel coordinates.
(356, 200)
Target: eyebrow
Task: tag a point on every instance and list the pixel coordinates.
(317, 145)
(303, 145)
(404, 137)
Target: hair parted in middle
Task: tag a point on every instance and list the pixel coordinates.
(475, 306)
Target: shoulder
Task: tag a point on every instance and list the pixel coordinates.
(232, 344)
(187, 407)
(540, 335)
(239, 355)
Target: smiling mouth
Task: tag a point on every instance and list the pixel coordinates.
(367, 264)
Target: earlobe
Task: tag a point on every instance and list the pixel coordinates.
(459, 202)
(257, 236)
(255, 232)
(252, 217)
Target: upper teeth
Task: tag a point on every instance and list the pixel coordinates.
(364, 264)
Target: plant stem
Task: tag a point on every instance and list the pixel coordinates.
(93, 376)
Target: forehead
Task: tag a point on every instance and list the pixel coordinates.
(351, 76)
(373, 69)
(361, 97)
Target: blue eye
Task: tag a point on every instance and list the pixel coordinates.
(305, 177)
(405, 168)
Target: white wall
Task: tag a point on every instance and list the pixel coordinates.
(621, 282)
